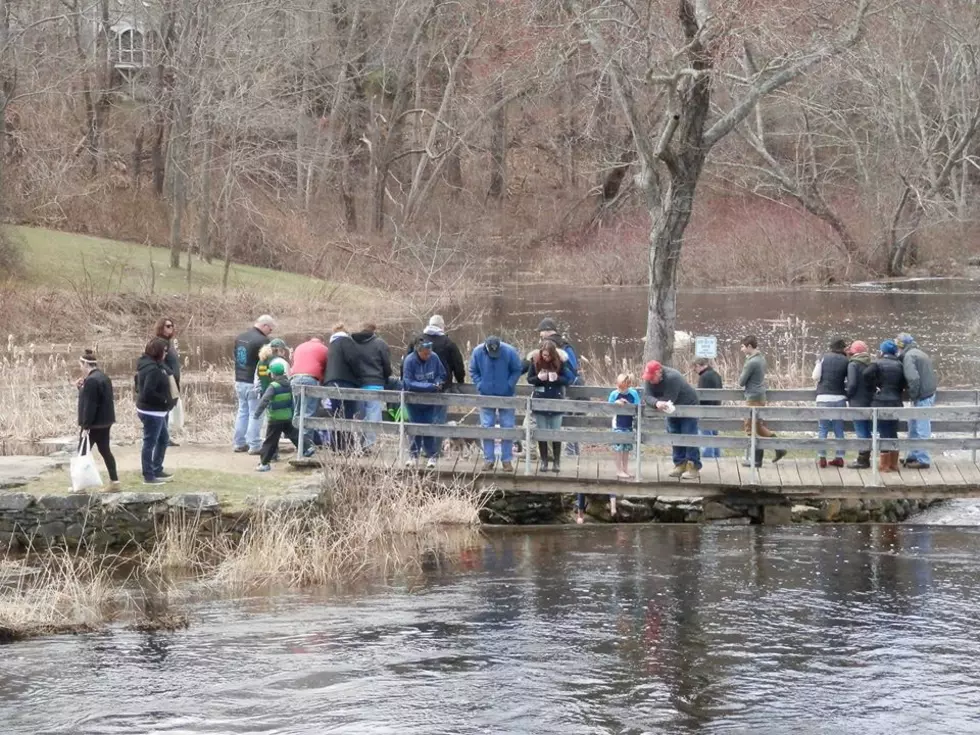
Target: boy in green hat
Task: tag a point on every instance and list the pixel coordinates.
(278, 398)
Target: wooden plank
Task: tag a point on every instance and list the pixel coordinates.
(728, 472)
(710, 472)
(810, 475)
(789, 475)
(969, 471)
(910, 478)
(948, 471)
(933, 477)
(769, 474)
(830, 477)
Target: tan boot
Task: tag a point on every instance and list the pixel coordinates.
(679, 470)
(884, 462)
(692, 472)
(893, 461)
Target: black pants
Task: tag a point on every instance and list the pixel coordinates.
(343, 441)
(100, 439)
(276, 430)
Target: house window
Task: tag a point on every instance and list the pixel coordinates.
(129, 48)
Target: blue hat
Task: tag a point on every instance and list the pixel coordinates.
(425, 343)
(492, 344)
(905, 339)
(888, 347)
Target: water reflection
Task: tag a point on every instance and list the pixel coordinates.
(677, 629)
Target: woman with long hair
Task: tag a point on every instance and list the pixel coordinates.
(549, 372)
(154, 400)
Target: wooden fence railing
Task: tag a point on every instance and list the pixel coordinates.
(589, 421)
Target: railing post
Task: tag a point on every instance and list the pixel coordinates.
(976, 402)
(752, 442)
(875, 447)
(527, 436)
(639, 442)
(302, 416)
(402, 416)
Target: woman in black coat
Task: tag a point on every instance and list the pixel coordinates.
(97, 412)
(153, 402)
(886, 379)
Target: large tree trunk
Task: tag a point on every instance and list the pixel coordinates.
(498, 144)
(204, 206)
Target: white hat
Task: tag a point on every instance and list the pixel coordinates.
(437, 321)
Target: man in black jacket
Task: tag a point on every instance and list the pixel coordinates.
(167, 329)
(248, 429)
(97, 412)
(708, 378)
(342, 372)
(373, 365)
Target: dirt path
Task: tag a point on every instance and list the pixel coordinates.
(219, 458)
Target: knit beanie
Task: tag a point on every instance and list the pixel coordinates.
(888, 347)
(278, 366)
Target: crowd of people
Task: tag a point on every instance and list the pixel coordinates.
(268, 376)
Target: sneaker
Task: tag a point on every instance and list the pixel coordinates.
(410, 463)
(914, 464)
(691, 473)
(114, 487)
(678, 470)
(166, 476)
(489, 465)
(254, 452)
(309, 452)
(822, 463)
(747, 463)
(240, 450)
(836, 462)
(263, 468)
(780, 453)
(154, 481)
(172, 443)
(507, 466)
(431, 464)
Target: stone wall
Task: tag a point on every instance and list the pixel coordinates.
(117, 520)
(544, 508)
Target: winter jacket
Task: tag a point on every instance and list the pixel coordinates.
(96, 403)
(447, 352)
(152, 386)
(709, 379)
(831, 375)
(372, 359)
(886, 378)
(495, 375)
(753, 377)
(566, 346)
(172, 361)
(424, 376)
(624, 422)
(859, 393)
(279, 399)
(247, 346)
(551, 388)
(310, 358)
(919, 373)
(342, 363)
(672, 387)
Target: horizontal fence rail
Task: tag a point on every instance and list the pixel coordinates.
(588, 418)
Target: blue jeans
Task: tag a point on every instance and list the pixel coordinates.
(155, 441)
(684, 454)
(420, 414)
(440, 414)
(710, 452)
(862, 429)
(920, 429)
(248, 429)
(824, 426)
(311, 404)
(371, 411)
(489, 417)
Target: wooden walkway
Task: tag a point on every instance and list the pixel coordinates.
(593, 472)
(725, 477)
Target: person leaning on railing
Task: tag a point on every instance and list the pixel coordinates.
(424, 373)
(665, 388)
(859, 395)
(886, 378)
(549, 372)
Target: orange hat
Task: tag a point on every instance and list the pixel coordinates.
(653, 367)
(857, 346)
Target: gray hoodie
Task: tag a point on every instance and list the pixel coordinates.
(919, 372)
(753, 377)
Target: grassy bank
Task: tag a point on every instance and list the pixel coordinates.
(376, 524)
(71, 284)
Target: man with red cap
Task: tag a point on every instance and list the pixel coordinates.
(859, 395)
(666, 388)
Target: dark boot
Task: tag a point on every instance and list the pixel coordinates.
(863, 462)
(543, 454)
(759, 454)
(556, 457)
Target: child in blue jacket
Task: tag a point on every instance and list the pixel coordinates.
(423, 373)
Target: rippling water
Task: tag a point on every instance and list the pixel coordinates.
(683, 629)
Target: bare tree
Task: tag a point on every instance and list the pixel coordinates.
(675, 130)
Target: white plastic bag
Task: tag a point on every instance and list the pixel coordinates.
(175, 419)
(84, 473)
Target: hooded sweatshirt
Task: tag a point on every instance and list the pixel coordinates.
(372, 359)
(495, 375)
(424, 376)
(919, 372)
(152, 386)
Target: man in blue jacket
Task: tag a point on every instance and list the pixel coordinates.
(423, 373)
(495, 368)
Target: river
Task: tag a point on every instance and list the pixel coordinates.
(626, 630)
